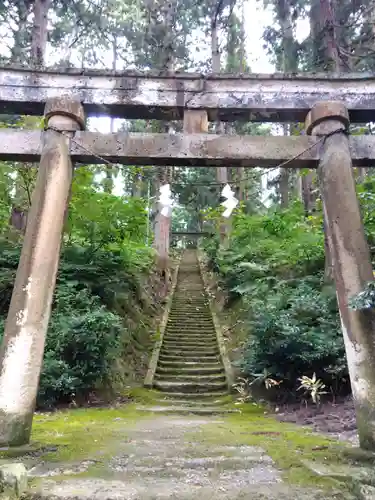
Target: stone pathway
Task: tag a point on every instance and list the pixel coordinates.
(167, 457)
(190, 373)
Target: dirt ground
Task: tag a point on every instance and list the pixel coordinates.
(335, 419)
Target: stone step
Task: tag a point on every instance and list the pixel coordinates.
(190, 300)
(189, 364)
(188, 303)
(187, 307)
(196, 328)
(205, 397)
(186, 370)
(194, 333)
(194, 299)
(193, 307)
(174, 343)
(192, 353)
(192, 303)
(191, 320)
(203, 342)
(191, 377)
(191, 359)
(193, 329)
(197, 387)
(187, 410)
(191, 349)
(185, 340)
(192, 402)
(203, 336)
(194, 321)
(183, 350)
(193, 315)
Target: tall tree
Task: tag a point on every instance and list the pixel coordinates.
(40, 31)
(289, 64)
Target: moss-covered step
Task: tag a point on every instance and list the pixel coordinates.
(190, 347)
(212, 358)
(186, 410)
(187, 342)
(188, 370)
(189, 359)
(191, 387)
(198, 397)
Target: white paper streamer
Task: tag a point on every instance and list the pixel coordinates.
(231, 201)
(166, 200)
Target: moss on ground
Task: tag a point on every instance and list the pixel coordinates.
(287, 444)
(78, 434)
(72, 436)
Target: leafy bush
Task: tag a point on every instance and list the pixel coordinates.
(295, 330)
(96, 297)
(101, 308)
(83, 341)
(274, 265)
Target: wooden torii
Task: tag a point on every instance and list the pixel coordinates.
(327, 104)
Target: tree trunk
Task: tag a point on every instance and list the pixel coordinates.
(221, 172)
(162, 224)
(326, 58)
(108, 182)
(40, 32)
(18, 52)
(23, 188)
(289, 64)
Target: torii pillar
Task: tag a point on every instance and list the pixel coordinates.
(350, 254)
(22, 349)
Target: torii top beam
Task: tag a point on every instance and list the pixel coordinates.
(253, 97)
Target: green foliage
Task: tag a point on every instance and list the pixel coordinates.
(365, 299)
(83, 342)
(88, 332)
(98, 219)
(267, 248)
(274, 264)
(295, 330)
(100, 292)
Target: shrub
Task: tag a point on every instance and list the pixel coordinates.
(274, 265)
(83, 341)
(86, 335)
(294, 331)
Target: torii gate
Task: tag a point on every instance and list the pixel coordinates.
(325, 102)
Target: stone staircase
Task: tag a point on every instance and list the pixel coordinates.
(190, 376)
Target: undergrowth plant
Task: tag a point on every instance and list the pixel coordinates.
(274, 265)
(313, 386)
(99, 329)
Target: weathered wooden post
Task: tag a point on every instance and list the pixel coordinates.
(350, 256)
(21, 352)
(196, 122)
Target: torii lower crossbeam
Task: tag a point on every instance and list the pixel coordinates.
(184, 149)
